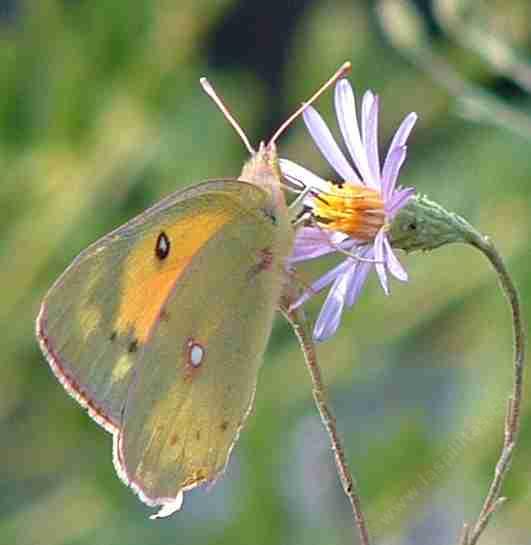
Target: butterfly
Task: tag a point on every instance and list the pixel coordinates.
(159, 328)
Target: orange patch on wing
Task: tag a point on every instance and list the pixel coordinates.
(149, 280)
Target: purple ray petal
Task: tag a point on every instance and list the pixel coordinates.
(370, 133)
(330, 316)
(322, 282)
(348, 123)
(394, 266)
(312, 242)
(391, 169)
(304, 252)
(380, 260)
(327, 145)
(402, 133)
(366, 104)
(358, 279)
(293, 171)
(398, 200)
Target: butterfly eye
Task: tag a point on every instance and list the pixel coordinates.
(162, 247)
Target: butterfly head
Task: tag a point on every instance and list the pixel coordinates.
(263, 167)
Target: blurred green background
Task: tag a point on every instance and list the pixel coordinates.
(101, 114)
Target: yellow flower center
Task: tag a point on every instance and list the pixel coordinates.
(354, 210)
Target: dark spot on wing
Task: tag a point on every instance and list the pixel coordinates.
(133, 346)
(162, 246)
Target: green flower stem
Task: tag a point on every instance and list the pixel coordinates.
(425, 225)
(303, 333)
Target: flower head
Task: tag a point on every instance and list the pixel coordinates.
(351, 216)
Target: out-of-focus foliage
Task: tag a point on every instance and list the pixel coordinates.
(101, 114)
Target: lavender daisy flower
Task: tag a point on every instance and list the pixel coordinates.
(353, 215)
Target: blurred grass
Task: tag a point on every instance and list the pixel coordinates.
(101, 114)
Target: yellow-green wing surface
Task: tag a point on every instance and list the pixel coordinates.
(159, 330)
(182, 419)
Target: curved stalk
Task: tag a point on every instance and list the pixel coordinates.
(512, 422)
(425, 225)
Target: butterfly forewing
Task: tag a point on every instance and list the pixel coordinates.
(100, 312)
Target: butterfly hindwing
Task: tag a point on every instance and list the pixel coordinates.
(195, 388)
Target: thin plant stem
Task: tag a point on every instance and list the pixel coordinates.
(465, 535)
(512, 421)
(300, 327)
(437, 227)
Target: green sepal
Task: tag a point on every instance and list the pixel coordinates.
(425, 225)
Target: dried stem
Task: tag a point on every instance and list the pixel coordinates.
(512, 421)
(300, 327)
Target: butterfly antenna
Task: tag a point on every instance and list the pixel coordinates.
(209, 90)
(340, 72)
